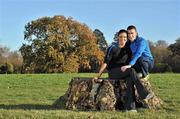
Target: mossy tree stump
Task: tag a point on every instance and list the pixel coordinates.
(84, 94)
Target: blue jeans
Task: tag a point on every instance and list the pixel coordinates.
(143, 65)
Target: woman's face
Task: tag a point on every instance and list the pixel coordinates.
(122, 38)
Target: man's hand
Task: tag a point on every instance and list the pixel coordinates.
(123, 68)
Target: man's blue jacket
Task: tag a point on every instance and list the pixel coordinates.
(140, 47)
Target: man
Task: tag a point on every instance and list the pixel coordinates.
(142, 60)
(118, 55)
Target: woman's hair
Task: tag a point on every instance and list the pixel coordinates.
(122, 31)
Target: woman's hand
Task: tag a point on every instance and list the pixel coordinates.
(97, 80)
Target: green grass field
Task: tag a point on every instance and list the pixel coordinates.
(31, 96)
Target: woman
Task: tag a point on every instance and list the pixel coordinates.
(118, 55)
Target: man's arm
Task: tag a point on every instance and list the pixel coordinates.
(141, 47)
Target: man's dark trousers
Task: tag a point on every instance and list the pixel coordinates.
(143, 65)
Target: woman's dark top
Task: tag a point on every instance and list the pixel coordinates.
(117, 57)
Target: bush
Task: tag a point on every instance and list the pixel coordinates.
(6, 68)
(174, 62)
(162, 68)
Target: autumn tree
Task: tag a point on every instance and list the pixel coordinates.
(4, 52)
(15, 59)
(161, 43)
(101, 41)
(160, 54)
(7, 68)
(175, 48)
(11, 58)
(59, 44)
(174, 59)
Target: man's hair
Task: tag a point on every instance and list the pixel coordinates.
(131, 27)
(122, 31)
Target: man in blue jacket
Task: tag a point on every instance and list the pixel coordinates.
(142, 59)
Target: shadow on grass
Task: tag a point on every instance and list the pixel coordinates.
(28, 107)
(35, 107)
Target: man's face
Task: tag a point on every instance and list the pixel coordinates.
(122, 38)
(132, 34)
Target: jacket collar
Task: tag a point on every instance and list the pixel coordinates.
(137, 39)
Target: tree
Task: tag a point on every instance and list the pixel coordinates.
(10, 68)
(102, 44)
(15, 59)
(116, 36)
(52, 39)
(6, 68)
(4, 52)
(175, 48)
(174, 58)
(71, 64)
(161, 43)
(12, 57)
(174, 62)
(160, 54)
(178, 40)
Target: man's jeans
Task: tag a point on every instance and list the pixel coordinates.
(143, 65)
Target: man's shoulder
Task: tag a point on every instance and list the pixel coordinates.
(141, 40)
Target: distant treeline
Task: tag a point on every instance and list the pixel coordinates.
(58, 44)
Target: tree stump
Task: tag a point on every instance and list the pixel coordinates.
(84, 94)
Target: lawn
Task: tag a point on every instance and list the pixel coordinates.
(31, 96)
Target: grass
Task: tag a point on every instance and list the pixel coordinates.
(31, 96)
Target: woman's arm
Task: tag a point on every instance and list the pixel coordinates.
(103, 67)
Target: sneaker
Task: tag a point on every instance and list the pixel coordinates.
(146, 78)
(132, 110)
(149, 96)
(139, 75)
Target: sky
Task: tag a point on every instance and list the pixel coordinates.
(155, 19)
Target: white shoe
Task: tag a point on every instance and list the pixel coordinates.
(139, 75)
(132, 110)
(146, 78)
(149, 96)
